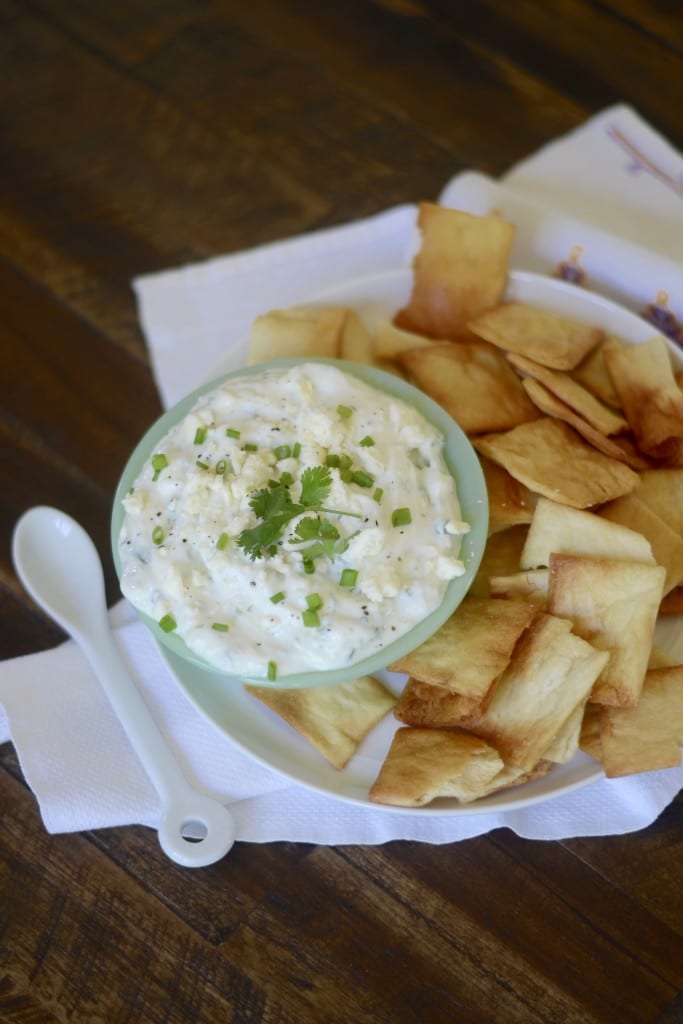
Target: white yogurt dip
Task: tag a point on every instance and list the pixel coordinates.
(296, 519)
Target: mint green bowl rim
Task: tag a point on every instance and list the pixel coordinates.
(460, 457)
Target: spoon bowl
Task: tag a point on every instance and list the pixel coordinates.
(59, 566)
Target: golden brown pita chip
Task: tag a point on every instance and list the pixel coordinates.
(548, 403)
(473, 382)
(530, 585)
(551, 459)
(662, 491)
(390, 341)
(538, 334)
(297, 331)
(572, 394)
(510, 502)
(551, 673)
(435, 708)
(651, 399)
(424, 764)
(666, 544)
(592, 372)
(561, 529)
(471, 648)
(334, 719)
(649, 736)
(612, 604)
(501, 558)
(460, 270)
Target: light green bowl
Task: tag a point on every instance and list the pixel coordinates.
(460, 458)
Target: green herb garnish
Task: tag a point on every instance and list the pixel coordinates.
(367, 441)
(275, 508)
(401, 517)
(272, 671)
(231, 432)
(200, 435)
(220, 627)
(159, 462)
(167, 623)
(348, 577)
(222, 541)
(277, 598)
(158, 535)
(310, 617)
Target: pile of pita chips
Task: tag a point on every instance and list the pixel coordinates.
(580, 435)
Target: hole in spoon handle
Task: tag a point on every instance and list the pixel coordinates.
(197, 831)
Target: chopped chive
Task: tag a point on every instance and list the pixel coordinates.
(158, 535)
(367, 442)
(310, 617)
(362, 478)
(231, 432)
(200, 435)
(379, 491)
(201, 465)
(272, 671)
(309, 566)
(286, 479)
(314, 601)
(346, 475)
(159, 462)
(250, 447)
(401, 517)
(348, 577)
(277, 598)
(296, 450)
(283, 451)
(332, 460)
(220, 627)
(222, 541)
(272, 550)
(345, 461)
(220, 467)
(167, 623)
(345, 411)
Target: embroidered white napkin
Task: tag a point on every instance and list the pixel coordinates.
(612, 210)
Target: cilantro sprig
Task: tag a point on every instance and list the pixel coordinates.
(273, 505)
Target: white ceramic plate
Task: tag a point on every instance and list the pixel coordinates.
(263, 735)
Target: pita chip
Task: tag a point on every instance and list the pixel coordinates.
(425, 764)
(652, 401)
(472, 647)
(473, 382)
(550, 458)
(612, 604)
(334, 719)
(667, 545)
(551, 673)
(647, 737)
(545, 337)
(459, 271)
(561, 529)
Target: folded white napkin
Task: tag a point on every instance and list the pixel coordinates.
(612, 188)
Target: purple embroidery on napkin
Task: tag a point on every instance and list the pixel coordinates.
(571, 269)
(641, 162)
(660, 316)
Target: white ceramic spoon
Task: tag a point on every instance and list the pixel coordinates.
(59, 565)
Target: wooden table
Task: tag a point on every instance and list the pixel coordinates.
(140, 135)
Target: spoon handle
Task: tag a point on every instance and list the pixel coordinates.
(195, 829)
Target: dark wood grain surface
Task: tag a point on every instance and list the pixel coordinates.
(139, 135)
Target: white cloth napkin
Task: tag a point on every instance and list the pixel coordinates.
(612, 187)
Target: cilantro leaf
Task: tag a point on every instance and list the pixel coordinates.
(275, 508)
(316, 482)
